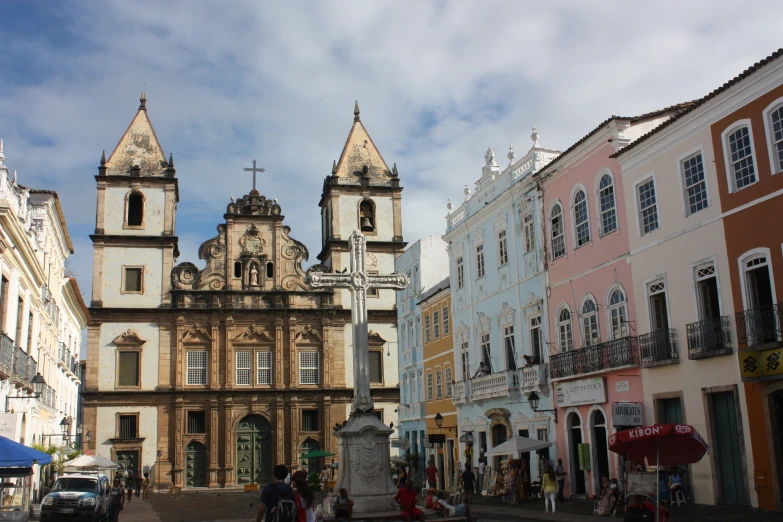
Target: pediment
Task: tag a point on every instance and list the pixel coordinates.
(374, 338)
(308, 333)
(129, 338)
(196, 334)
(497, 412)
(253, 334)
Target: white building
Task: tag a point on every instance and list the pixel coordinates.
(41, 316)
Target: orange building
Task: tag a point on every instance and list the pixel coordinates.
(441, 414)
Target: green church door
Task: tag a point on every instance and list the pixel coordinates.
(254, 450)
(196, 465)
(727, 451)
(127, 460)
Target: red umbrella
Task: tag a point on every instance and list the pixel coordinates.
(664, 444)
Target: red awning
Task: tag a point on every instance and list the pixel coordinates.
(665, 444)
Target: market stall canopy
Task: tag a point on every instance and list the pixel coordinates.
(90, 462)
(517, 444)
(316, 454)
(398, 460)
(15, 455)
(665, 444)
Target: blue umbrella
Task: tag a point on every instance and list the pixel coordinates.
(15, 455)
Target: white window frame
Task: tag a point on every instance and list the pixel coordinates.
(411, 335)
(430, 390)
(574, 225)
(427, 329)
(679, 165)
(695, 268)
(262, 367)
(730, 179)
(658, 279)
(508, 334)
(592, 317)
(448, 377)
(531, 327)
(465, 359)
(485, 349)
(502, 248)
(742, 260)
(438, 385)
(639, 220)
(624, 327)
(460, 272)
(436, 324)
(480, 267)
(775, 167)
(599, 213)
(192, 365)
(556, 204)
(309, 367)
(528, 223)
(446, 325)
(560, 325)
(245, 366)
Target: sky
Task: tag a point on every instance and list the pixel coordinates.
(437, 82)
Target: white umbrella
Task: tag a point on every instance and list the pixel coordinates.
(398, 460)
(90, 462)
(516, 445)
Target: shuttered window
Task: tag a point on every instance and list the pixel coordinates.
(243, 367)
(308, 367)
(128, 427)
(128, 371)
(264, 368)
(197, 367)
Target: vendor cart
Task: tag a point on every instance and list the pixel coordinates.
(15, 494)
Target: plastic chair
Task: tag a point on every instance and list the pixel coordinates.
(679, 497)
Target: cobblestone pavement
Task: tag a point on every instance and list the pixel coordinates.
(237, 506)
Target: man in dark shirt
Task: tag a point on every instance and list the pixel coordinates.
(272, 493)
(468, 482)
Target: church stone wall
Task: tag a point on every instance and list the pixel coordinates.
(114, 259)
(106, 429)
(384, 217)
(154, 205)
(108, 356)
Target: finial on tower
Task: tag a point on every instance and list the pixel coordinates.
(334, 166)
(143, 102)
(534, 136)
(171, 159)
(103, 158)
(511, 154)
(356, 111)
(394, 171)
(102, 166)
(450, 206)
(2, 156)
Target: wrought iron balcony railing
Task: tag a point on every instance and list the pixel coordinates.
(659, 347)
(760, 325)
(6, 356)
(20, 366)
(461, 392)
(618, 353)
(709, 338)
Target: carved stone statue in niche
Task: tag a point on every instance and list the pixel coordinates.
(253, 275)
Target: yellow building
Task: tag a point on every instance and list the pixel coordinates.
(435, 308)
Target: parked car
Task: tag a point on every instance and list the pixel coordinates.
(77, 496)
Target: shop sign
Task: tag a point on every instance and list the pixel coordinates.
(401, 443)
(760, 365)
(8, 425)
(622, 386)
(584, 457)
(583, 391)
(627, 414)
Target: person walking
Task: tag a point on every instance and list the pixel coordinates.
(305, 499)
(549, 486)
(145, 488)
(116, 500)
(277, 498)
(432, 475)
(482, 466)
(468, 482)
(325, 477)
(561, 475)
(130, 483)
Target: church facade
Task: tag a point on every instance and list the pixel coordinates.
(208, 377)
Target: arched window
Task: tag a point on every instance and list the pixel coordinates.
(135, 209)
(606, 200)
(367, 216)
(618, 314)
(741, 163)
(590, 323)
(581, 219)
(270, 270)
(556, 224)
(566, 334)
(237, 269)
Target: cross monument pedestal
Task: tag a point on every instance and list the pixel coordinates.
(363, 443)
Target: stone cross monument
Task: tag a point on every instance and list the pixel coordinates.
(364, 441)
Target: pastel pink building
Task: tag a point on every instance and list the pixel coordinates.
(594, 353)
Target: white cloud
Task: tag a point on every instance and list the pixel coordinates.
(437, 82)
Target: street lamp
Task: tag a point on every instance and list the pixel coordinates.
(64, 425)
(533, 399)
(37, 382)
(439, 420)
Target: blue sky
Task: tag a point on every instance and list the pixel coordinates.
(437, 82)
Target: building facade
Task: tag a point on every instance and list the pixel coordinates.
(591, 302)
(497, 270)
(425, 262)
(209, 377)
(441, 414)
(41, 318)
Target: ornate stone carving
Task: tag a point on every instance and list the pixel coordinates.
(253, 334)
(196, 334)
(294, 254)
(308, 334)
(129, 338)
(254, 205)
(252, 242)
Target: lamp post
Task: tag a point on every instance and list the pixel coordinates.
(38, 383)
(533, 399)
(439, 420)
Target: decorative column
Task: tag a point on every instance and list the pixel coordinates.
(280, 429)
(327, 355)
(292, 323)
(178, 429)
(179, 359)
(230, 441)
(214, 379)
(229, 354)
(214, 433)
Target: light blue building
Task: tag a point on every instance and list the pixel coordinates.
(426, 264)
(498, 285)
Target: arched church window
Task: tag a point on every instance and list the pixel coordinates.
(367, 216)
(135, 209)
(238, 269)
(270, 270)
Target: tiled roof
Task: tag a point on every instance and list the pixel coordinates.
(697, 103)
(434, 290)
(633, 119)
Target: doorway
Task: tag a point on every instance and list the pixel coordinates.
(660, 347)
(600, 450)
(127, 460)
(728, 451)
(196, 465)
(254, 450)
(499, 436)
(575, 439)
(776, 423)
(760, 316)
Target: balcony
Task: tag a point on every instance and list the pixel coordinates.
(494, 385)
(48, 396)
(759, 326)
(64, 356)
(6, 356)
(709, 338)
(461, 392)
(534, 378)
(659, 348)
(611, 355)
(411, 412)
(32, 369)
(19, 375)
